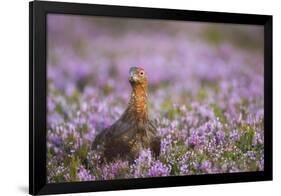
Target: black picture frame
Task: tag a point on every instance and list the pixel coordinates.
(38, 91)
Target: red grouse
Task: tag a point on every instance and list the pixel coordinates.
(134, 130)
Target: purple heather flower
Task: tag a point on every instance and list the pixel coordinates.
(56, 139)
(220, 135)
(158, 169)
(193, 140)
(206, 166)
(84, 175)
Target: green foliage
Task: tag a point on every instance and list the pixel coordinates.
(246, 139)
(73, 168)
(168, 110)
(219, 113)
(202, 94)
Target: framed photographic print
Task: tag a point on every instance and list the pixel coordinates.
(130, 97)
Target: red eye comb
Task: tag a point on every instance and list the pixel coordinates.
(140, 68)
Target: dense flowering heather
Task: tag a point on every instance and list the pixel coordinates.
(205, 94)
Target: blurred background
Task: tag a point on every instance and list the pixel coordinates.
(98, 52)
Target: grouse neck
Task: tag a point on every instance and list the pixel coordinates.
(138, 102)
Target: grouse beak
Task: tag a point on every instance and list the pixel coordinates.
(132, 76)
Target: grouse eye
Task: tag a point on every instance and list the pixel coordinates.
(141, 73)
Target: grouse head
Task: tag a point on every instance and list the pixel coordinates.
(137, 76)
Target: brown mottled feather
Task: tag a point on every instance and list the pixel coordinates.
(134, 130)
